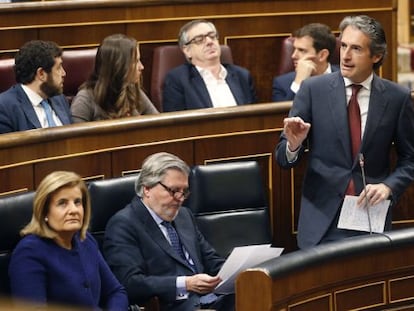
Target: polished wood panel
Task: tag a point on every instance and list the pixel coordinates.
(368, 273)
(253, 29)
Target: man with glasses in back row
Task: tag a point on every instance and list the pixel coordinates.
(154, 247)
(203, 81)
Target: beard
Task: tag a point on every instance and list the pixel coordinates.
(50, 88)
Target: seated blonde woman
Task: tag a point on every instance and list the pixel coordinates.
(113, 89)
(58, 261)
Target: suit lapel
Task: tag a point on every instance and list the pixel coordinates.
(339, 112)
(27, 108)
(187, 237)
(154, 231)
(376, 110)
(197, 83)
(60, 112)
(234, 85)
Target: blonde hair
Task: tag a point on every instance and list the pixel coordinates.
(48, 186)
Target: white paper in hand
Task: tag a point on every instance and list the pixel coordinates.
(242, 258)
(354, 217)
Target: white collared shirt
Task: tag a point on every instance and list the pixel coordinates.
(218, 89)
(35, 100)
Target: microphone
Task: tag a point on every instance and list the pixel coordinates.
(361, 164)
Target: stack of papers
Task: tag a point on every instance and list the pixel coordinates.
(240, 259)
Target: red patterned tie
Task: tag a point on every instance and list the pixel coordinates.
(354, 121)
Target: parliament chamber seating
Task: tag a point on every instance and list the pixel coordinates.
(78, 65)
(286, 50)
(15, 213)
(108, 196)
(7, 77)
(367, 272)
(167, 57)
(229, 204)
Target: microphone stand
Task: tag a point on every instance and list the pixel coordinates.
(361, 164)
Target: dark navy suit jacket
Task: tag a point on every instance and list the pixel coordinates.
(281, 86)
(321, 101)
(184, 88)
(17, 112)
(144, 261)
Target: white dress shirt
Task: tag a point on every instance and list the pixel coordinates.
(36, 99)
(218, 89)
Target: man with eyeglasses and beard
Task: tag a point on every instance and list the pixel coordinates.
(204, 82)
(154, 247)
(36, 101)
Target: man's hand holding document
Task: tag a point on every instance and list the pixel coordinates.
(370, 218)
(242, 258)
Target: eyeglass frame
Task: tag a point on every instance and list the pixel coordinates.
(200, 39)
(184, 194)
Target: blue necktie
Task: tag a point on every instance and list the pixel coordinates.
(176, 243)
(48, 112)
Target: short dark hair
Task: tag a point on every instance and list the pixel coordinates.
(33, 55)
(322, 36)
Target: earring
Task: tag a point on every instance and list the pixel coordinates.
(46, 219)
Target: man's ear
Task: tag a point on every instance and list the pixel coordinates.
(323, 55)
(41, 74)
(187, 51)
(145, 191)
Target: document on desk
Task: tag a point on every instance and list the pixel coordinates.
(354, 217)
(242, 258)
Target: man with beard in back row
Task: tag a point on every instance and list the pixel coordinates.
(36, 101)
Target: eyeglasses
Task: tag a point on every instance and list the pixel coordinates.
(202, 38)
(176, 194)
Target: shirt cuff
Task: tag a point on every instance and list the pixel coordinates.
(294, 87)
(291, 156)
(181, 289)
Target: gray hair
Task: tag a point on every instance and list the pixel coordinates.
(373, 29)
(155, 167)
(182, 35)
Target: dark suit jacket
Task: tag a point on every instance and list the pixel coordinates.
(322, 102)
(146, 264)
(281, 86)
(17, 113)
(184, 88)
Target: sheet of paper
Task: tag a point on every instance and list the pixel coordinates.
(242, 258)
(354, 217)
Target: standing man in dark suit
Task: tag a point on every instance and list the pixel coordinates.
(319, 114)
(314, 46)
(203, 81)
(36, 100)
(143, 249)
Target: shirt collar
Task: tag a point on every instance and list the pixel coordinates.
(207, 73)
(34, 98)
(366, 83)
(328, 69)
(157, 218)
